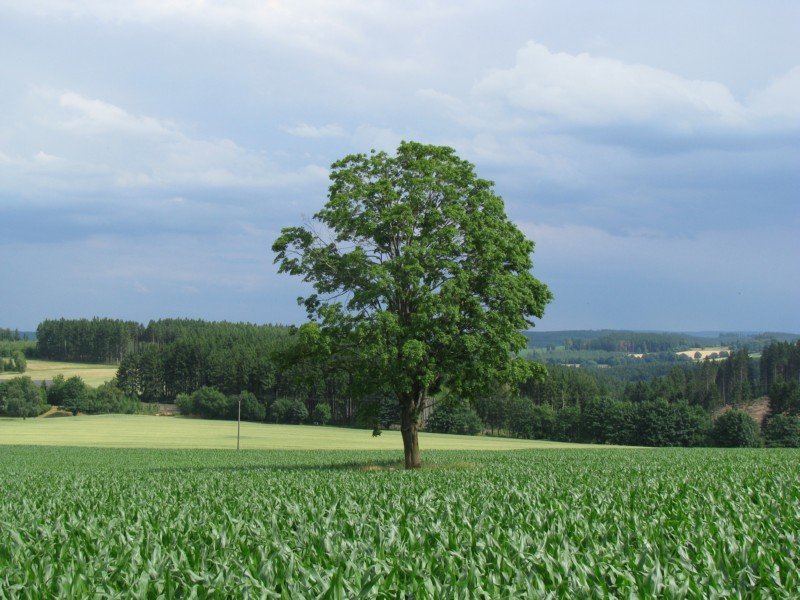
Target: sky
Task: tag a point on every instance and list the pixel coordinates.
(151, 150)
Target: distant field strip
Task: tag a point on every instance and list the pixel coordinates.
(139, 431)
(92, 374)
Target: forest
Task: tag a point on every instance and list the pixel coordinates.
(209, 369)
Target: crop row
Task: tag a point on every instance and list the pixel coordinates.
(107, 523)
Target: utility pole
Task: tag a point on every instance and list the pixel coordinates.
(239, 422)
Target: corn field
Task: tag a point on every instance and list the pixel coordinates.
(119, 523)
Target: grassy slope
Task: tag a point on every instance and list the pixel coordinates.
(138, 431)
(91, 374)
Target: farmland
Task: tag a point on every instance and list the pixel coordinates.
(92, 374)
(98, 522)
(139, 431)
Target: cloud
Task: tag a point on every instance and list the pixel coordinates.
(588, 90)
(606, 100)
(313, 131)
(713, 257)
(92, 117)
(90, 145)
(780, 100)
(645, 279)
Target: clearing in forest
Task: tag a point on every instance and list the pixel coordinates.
(45, 370)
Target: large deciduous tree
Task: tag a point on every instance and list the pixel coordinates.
(420, 280)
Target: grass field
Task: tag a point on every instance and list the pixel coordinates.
(92, 375)
(666, 523)
(139, 431)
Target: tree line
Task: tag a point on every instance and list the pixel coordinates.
(21, 397)
(208, 367)
(582, 405)
(10, 335)
(629, 341)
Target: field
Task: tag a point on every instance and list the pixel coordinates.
(107, 523)
(139, 431)
(704, 352)
(91, 374)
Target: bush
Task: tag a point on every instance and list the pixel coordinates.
(210, 403)
(185, 404)
(321, 414)
(454, 415)
(71, 394)
(108, 398)
(20, 397)
(288, 410)
(252, 409)
(18, 362)
(735, 429)
(782, 431)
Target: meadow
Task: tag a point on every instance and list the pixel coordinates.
(92, 374)
(142, 431)
(537, 523)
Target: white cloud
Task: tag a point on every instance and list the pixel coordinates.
(780, 100)
(314, 131)
(102, 146)
(557, 91)
(592, 90)
(89, 116)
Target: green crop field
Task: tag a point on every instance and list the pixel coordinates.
(668, 523)
(91, 374)
(139, 431)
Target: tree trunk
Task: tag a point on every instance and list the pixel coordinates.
(408, 428)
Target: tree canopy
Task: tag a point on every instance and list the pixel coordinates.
(420, 279)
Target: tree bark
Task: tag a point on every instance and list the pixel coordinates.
(409, 424)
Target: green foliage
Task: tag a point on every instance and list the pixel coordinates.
(784, 397)
(493, 410)
(454, 415)
(782, 431)
(528, 420)
(424, 281)
(210, 403)
(288, 410)
(20, 397)
(74, 395)
(86, 523)
(185, 404)
(252, 409)
(567, 426)
(18, 362)
(71, 394)
(321, 415)
(661, 423)
(735, 429)
(109, 398)
(604, 420)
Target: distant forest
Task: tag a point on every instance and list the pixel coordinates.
(207, 368)
(647, 342)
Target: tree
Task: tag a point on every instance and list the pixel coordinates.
(18, 362)
(782, 431)
(252, 409)
(454, 415)
(20, 397)
(735, 429)
(288, 410)
(420, 280)
(321, 415)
